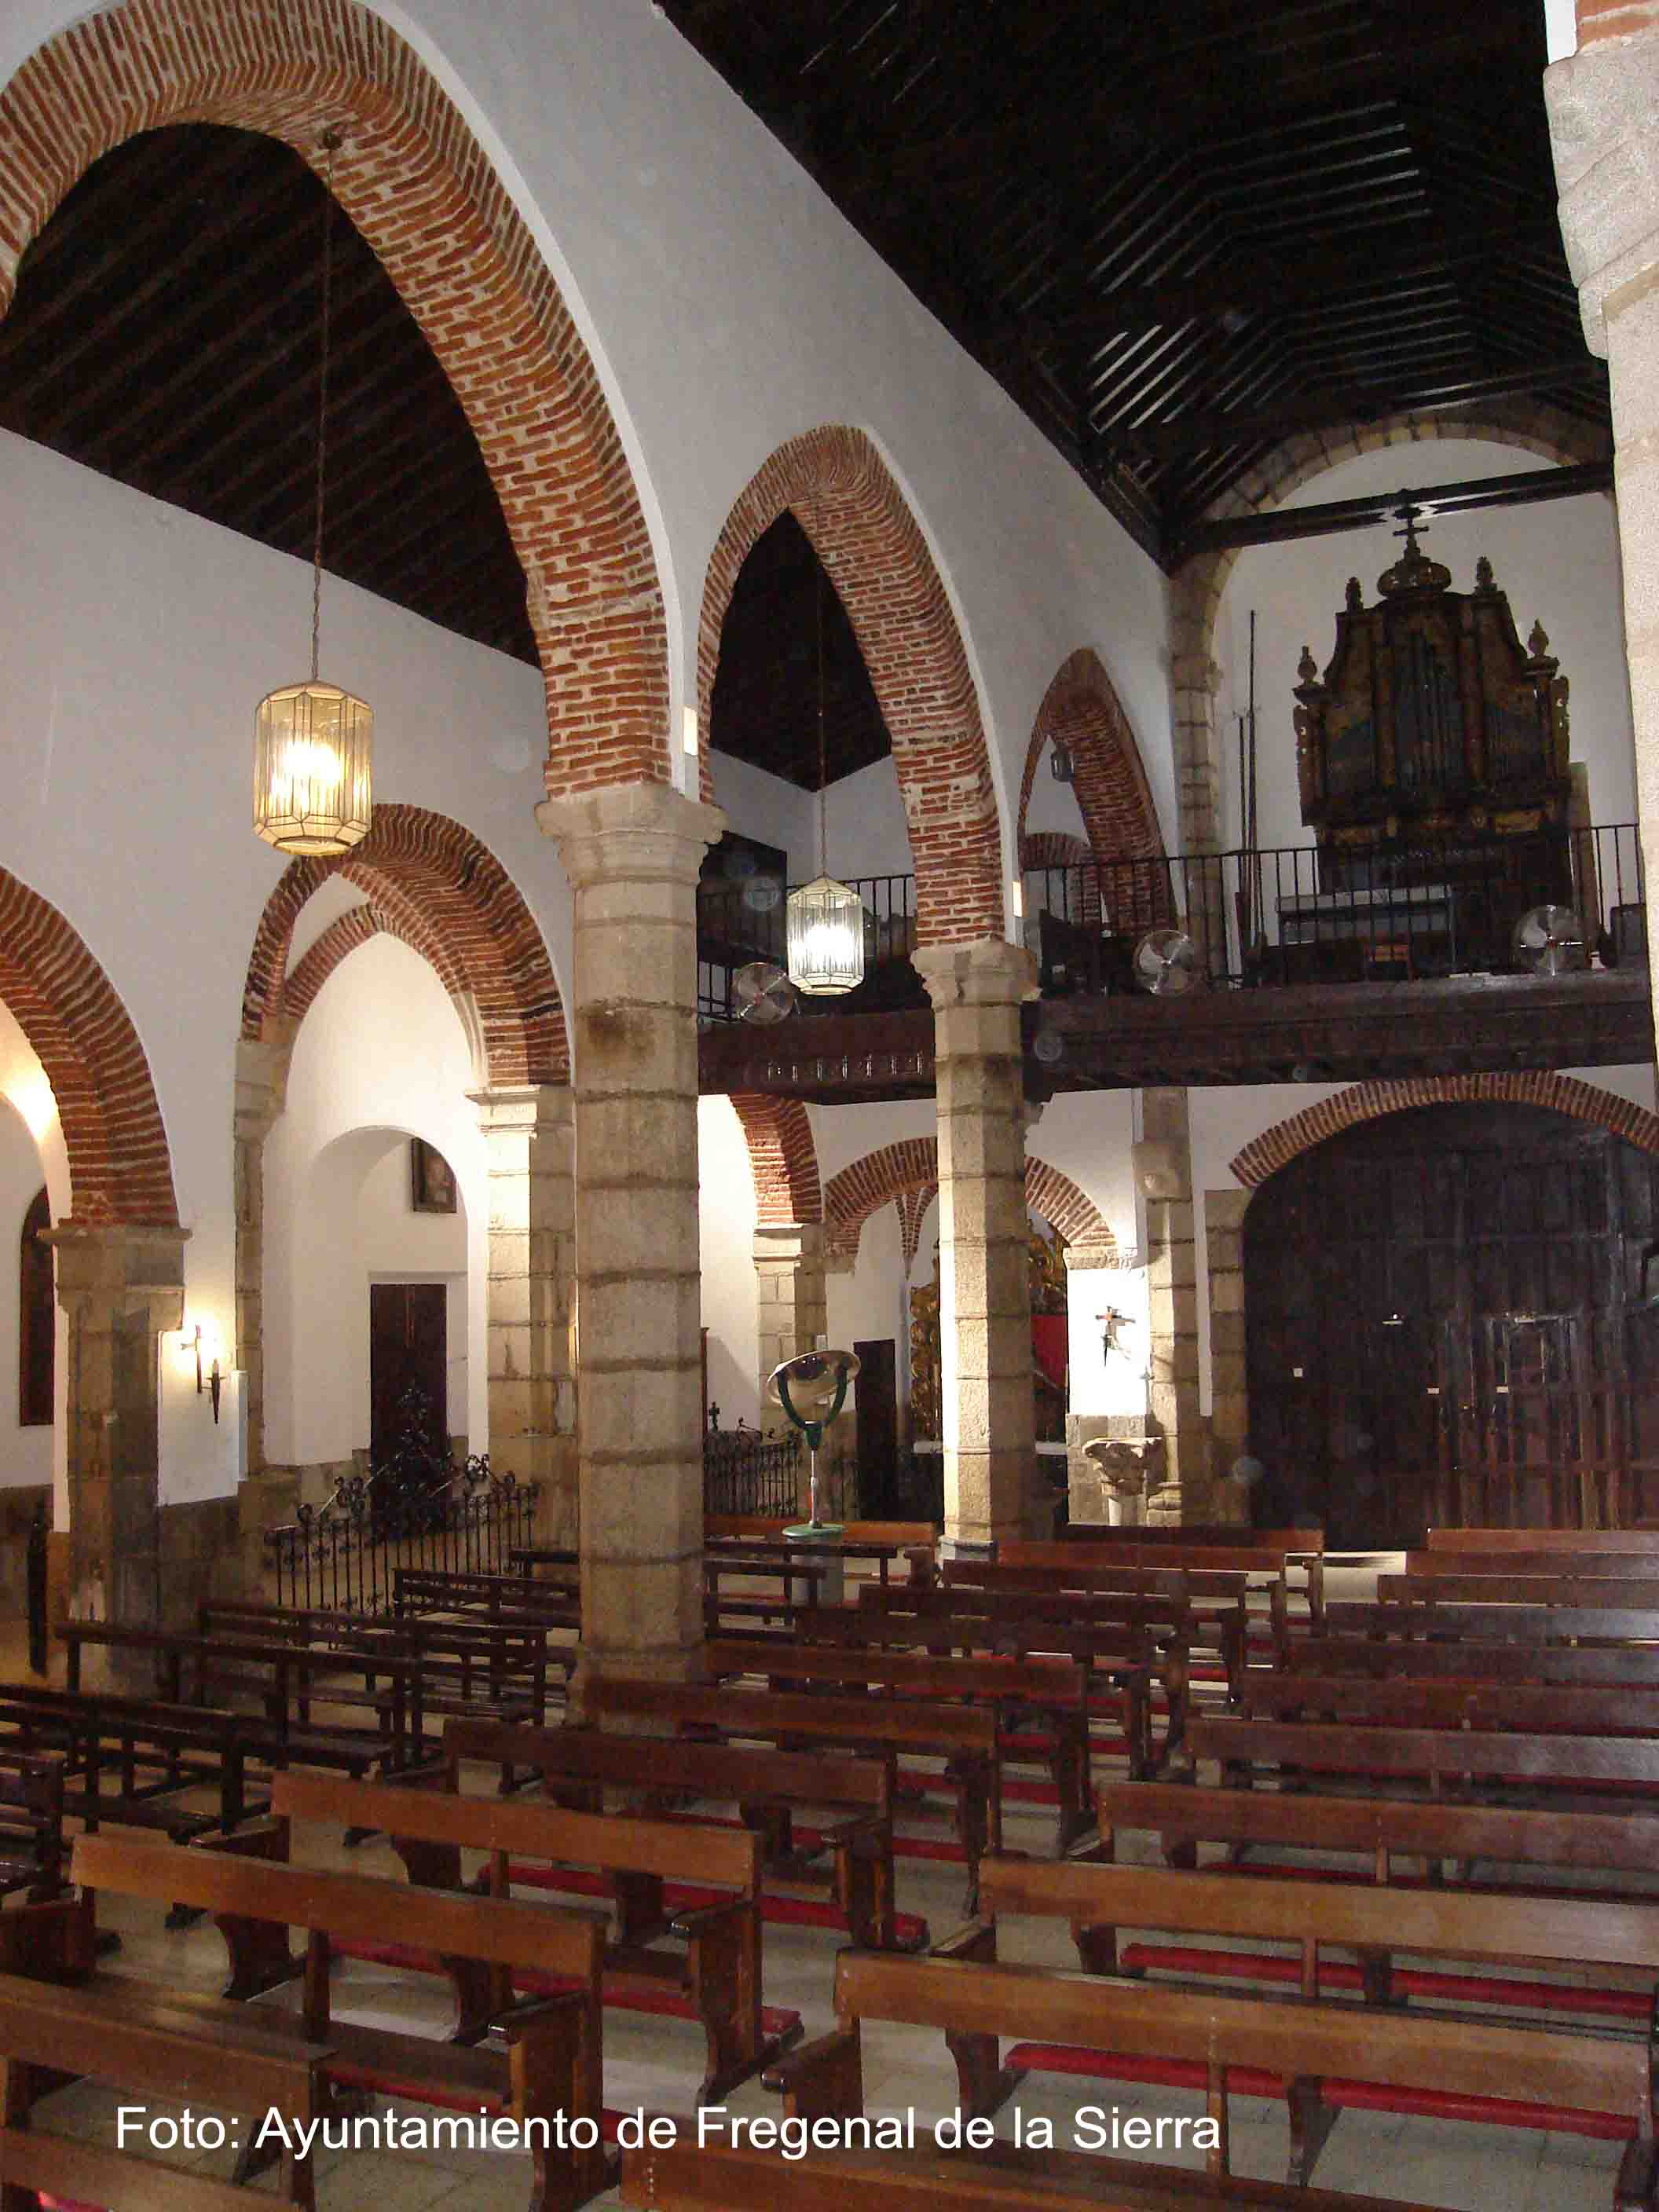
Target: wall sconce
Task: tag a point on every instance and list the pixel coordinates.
(193, 1344)
(1060, 764)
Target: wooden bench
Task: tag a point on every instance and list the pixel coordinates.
(1493, 1621)
(1581, 1593)
(31, 1823)
(1052, 1691)
(515, 1599)
(1195, 1535)
(1318, 2056)
(579, 1765)
(138, 2039)
(1380, 1831)
(551, 2065)
(709, 1956)
(1434, 1760)
(1563, 1540)
(1214, 1601)
(963, 1737)
(1098, 1900)
(1476, 1661)
(1401, 1700)
(1631, 1566)
(149, 1751)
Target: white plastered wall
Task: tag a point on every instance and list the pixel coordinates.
(380, 1057)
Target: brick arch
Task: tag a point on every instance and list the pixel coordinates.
(1368, 1102)
(1197, 586)
(120, 1170)
(341, 937)
(1081, 709)
(912, 1165)
(843, 495)
(422, 191)
(442, 888)
(782, 1156)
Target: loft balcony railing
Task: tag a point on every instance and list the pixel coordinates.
(1293, 914)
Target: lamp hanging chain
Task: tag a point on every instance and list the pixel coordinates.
(824, 771)
(330, 146)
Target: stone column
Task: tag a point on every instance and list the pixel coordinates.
(269, 1495)
(985, 1305)
(633, 854)
(1163, 1169)
(528, 1132)
(1604, 126)
(1229, 1400)
(121, 1288)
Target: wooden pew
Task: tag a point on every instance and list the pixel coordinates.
(1401, 1700)
(1628, 1565)
(711, 1955)
(1126, 1640)
(1492, 1622)
(513, 1599)
(552, 2062)
(1434, 1759)
(1195, 1535)
(879, 1543)
(31, 1823)
(769, 1788)
(1097, 1899)
(140, 2040)
(738, 2177)
(1322, 2053)
(126, 1759)
(1581, 1593)
(1382, 1831)
(1055, 1692)
(963, 1737)
(1474, 1659)
(1637, 1541)
(1214, 1600)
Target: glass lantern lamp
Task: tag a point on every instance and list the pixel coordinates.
(313, 751)
(826, 936)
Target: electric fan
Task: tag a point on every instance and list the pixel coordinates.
(1549, 940)
(763, 992)
(1165, 961)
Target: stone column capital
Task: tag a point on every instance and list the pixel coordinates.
(1602, 103)
(1082, 1256)
(630, 829)
(789, 1243)
(990, 973)
(524, 1108)
(121, 1268)
(262, 1066)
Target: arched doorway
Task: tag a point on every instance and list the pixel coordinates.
(1447, 1321)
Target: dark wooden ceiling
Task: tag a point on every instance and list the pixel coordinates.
(1177, 233)
(1174, 233)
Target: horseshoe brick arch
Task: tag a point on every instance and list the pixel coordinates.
(782, 1156)
(1196, 588)
(120, 1171)
(842, 495)
(421, 191)
(1367, 1101)
(892, 1171)
(439, 887)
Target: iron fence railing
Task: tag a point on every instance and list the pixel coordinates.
(750, 1471)
(342, 1556)
(741, 922)
(1293, 914)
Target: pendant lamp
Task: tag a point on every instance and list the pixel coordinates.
(825, 919)
(313, 742)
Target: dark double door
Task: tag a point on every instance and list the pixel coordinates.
(1445, 1323)
(408, 1368)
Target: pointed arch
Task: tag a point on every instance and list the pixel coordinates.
(444, 892)
(782, 1156)
(119, 1167)
(912, 1165)
(1081, 709)
(422, 192)
(842, 493)
(1368, 1102)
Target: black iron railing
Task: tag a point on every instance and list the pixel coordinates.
(733, 931)
(1303, 915)
(748, 1471)
(341, 1556)
(1296, 913)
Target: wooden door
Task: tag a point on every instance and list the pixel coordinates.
(877, 1418)
(408, 1366)
(1443, 1325)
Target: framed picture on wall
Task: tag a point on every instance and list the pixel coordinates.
(431, 1179)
